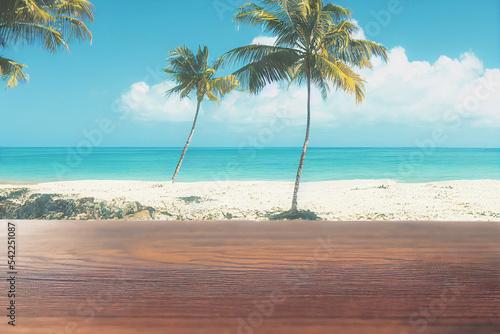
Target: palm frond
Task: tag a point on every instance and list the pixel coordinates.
(183, 89)
(358, 52)
(24, 11)
(201, 59)
(70, 26)
(28, 33)
(253, 53)
(337, 12)
(298, 73)
(222, 86)
(182, 59)
(218, 64)
(12, 72)
(48, 23)
(192, 73)
(81, 10)
(339, 75)
(323, 87)
(273, 21)
(211, 96)
(266, 67)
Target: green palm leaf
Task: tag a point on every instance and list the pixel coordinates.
(47, 23)
(12, 72)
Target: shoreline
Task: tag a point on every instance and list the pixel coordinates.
(20, 183)
(348, 200)
(16, 183)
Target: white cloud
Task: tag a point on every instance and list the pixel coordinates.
(263, 40)
(146, 103)
(404, 91)
(400, 92)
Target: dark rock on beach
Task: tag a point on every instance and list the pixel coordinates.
(20, 204)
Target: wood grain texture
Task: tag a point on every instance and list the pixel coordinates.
(255, 277)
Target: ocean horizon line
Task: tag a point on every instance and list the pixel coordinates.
(259, 148)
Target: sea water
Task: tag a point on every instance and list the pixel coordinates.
(233, 164)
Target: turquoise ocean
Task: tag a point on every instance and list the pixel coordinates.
(233, 164)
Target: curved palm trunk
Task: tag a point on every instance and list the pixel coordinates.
(304, 149)
(187, 143)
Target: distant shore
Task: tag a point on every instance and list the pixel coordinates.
(474, 200)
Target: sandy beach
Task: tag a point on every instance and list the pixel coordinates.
(474, 200)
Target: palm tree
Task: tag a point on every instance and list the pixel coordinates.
(314, 45)
(192, 73)
(49, 23)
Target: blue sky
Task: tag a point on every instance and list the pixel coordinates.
(442, 52)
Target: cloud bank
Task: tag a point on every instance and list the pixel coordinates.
(399, 92)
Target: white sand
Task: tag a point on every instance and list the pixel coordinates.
(333, 200)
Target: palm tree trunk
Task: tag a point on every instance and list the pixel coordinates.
(304, 149)
(187, 143)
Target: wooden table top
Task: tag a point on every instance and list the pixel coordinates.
(254, 277)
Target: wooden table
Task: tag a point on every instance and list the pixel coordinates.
(254, 277)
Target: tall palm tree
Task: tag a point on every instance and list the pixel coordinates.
(193, 73)
(49, 23)
(314, 46)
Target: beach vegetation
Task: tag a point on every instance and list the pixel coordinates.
(314, 47)
(191, 199)
(50, 24)
(193, 73)
(17, 193)
(295, 215)
(166, 213)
